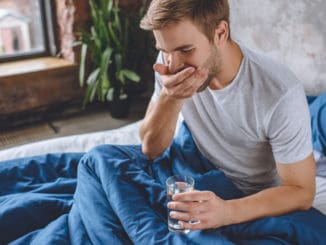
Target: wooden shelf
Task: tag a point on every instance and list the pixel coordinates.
(37, 84)
(32, 65)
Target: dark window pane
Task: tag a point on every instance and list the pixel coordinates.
(21, 28)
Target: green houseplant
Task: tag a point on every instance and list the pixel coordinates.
(107, 47)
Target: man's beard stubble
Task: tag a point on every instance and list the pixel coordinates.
(213, 63)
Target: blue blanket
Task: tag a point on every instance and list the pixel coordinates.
(119, 198)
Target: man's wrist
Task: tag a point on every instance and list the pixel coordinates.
(167, 98)
(232, 212)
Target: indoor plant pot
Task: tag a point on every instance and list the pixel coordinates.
(120, 106)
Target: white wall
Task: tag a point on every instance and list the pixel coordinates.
(293, 31)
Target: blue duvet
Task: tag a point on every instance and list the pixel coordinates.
(115, 195)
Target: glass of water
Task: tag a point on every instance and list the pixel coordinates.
(177, 184)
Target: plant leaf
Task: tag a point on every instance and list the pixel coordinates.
(93, 91)
(106, 60)
(76, 43)
(82, 64)
(117, 22)
(131, 75)
(104, 35)
(110, 7)
(110, 94)
(120, 76)
(94, 11)
(104, 66)
(93, 77)
(86, 97)
(114, 36)
(118, 61)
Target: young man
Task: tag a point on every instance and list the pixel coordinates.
(247, 114)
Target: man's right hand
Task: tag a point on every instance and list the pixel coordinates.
(182, 84)
(159, 124)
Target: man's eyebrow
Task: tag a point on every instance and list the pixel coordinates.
(187, 46)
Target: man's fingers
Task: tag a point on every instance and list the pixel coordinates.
(195, 207)
(196, 225)
(185, 73)
(161, 69)
(182, 74)
(179, 79)
(193, 196)
(197, 80)
(183, 216)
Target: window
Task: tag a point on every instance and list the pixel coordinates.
(25, 29)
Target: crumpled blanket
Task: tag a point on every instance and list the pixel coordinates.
(115, 195)
(317, 107)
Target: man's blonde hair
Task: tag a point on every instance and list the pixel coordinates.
(206, 14)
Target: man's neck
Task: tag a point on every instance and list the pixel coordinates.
(231, 56)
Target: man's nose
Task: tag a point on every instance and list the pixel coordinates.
(175, 63)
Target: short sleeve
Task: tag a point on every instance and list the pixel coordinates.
(289, 129)
(158, 84)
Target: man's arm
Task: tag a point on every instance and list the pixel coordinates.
(296, 192)
(158, 127)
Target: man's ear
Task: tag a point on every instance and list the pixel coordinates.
(221, 33)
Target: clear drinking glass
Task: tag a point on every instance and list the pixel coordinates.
(177, 184)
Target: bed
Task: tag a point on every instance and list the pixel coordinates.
(41, 201)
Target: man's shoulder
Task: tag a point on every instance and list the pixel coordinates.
(267, 73)
(266, 81)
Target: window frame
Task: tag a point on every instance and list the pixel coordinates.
(50, 48)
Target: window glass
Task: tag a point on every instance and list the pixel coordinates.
(21, 28)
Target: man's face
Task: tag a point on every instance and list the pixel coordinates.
(183, 45)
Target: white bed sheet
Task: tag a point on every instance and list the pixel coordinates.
(75, 143)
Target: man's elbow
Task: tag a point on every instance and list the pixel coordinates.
(152, 145)
(150, 152)
(308, 199)
(306, 206)
(147, 146)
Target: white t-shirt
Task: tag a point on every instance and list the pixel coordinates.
(259, 119)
